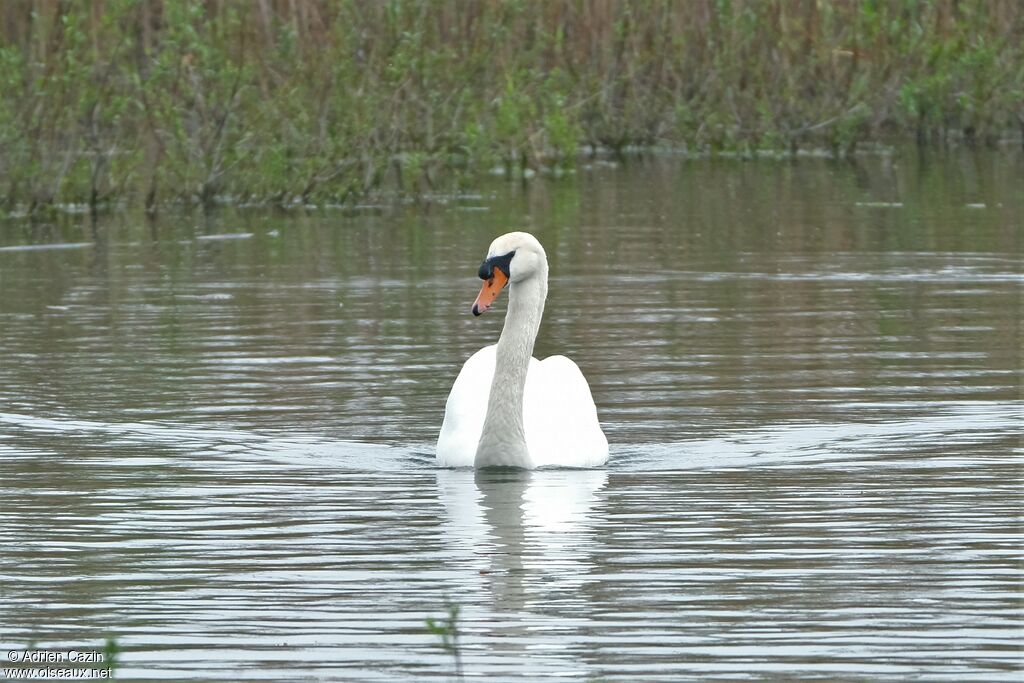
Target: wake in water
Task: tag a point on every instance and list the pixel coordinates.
(951, 431)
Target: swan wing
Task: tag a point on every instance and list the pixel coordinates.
(465, 410)
(560, 417)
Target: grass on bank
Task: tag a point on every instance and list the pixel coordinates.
(149, 101)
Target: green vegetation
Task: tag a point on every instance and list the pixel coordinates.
(448, 631)
(326, 100)
(111, 651)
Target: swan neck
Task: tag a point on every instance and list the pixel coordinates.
(503, 440)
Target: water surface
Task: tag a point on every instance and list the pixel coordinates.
(216, 432)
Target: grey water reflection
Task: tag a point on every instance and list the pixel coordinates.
(216, 432)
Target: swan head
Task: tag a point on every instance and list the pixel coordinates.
(513, 257)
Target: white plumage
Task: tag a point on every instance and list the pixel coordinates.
(506, 407)
(559, 414)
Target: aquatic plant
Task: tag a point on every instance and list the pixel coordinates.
(111, 651)
(448, 630)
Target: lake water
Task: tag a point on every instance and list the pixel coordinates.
(216, 433)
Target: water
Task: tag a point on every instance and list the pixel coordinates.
(216, 434)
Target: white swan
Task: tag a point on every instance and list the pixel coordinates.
(507, 408)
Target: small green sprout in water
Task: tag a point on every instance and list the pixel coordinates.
(110, 652)
(448, 630)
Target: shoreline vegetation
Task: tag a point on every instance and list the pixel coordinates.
(117, 102)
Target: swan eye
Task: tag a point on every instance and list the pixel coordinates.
(504, 263)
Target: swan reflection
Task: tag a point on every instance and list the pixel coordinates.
(529, 534)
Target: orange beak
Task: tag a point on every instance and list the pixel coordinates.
(490, 291)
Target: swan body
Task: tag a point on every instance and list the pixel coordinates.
(507, 408)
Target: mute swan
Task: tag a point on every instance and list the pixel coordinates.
(507, 408)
